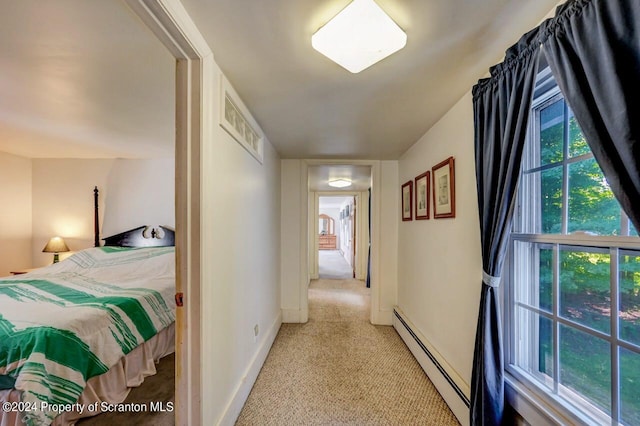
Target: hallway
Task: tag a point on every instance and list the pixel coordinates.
(332, 265)
(340, 369)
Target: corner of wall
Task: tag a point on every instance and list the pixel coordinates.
(16, 222)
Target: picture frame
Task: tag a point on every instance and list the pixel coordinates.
(407, 201)
(423, 189)
(444, 189)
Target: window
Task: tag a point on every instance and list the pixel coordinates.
(574, 259)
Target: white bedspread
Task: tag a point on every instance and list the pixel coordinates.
(66, 323)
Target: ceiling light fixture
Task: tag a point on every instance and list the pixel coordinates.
(359, 36)
(340, 183)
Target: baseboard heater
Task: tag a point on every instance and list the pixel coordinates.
(435, 362)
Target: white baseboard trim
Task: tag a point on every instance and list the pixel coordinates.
(232, 411)
(447, 381)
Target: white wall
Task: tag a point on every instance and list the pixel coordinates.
(141, 192)
(389, 217)
(346, 232)
(132, 193)
(15, 215)
(439, 260)
(240, 285)
(294, 249)
(63, 203)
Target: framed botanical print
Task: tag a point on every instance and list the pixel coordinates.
(407, 201)
(423, 185)
(444, 189)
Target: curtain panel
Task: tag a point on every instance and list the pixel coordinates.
(501, 112)
(593, 49)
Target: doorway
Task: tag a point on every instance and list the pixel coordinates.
(336, 237)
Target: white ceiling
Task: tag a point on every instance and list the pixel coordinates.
(309, 107)
(85, 78)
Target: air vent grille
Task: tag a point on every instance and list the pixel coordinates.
(237, 121)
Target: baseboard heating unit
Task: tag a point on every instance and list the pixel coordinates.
(449, 384)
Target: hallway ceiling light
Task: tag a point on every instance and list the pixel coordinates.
(359, 36)
(340, 183)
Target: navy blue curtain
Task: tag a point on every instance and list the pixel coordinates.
(501, 111)
(593, 49)
(369, 254)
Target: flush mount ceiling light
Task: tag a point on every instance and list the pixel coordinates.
(359, 36)
(340, 183)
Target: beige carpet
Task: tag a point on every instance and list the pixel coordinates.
(332, 265)
(338, 369)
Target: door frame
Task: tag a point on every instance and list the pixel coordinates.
(362, 234)
(377, 316)
(173, 27)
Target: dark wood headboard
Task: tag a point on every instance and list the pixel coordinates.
(143, 236)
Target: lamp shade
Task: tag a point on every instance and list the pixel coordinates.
(55, 245)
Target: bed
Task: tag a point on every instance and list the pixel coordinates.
(80, 333)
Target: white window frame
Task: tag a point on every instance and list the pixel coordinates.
(556, 396)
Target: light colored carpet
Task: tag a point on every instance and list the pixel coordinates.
(338, 369)
(332, 265)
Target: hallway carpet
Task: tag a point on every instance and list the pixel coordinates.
(338, 369)
(332, 265)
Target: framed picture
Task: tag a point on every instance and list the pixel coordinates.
(423, 186)
(444, 189)
(407, 201)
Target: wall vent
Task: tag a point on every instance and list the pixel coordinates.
(236, 119)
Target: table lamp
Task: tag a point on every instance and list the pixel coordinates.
(55, 245)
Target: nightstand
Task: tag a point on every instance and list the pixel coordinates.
(22, 271)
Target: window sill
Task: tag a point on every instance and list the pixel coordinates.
(536, 410)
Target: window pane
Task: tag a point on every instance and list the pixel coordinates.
(585, 287)
(577, 142)
(629, 387)
(632, 229)
(533, 273)
(629, 315)
(585, 367)
(551, 132)
(534, 345)
(551, 183)
(541, 202)
(592, 206)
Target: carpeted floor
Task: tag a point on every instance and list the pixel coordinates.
(332, 265)
(338, 369)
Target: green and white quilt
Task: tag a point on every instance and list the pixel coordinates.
(73, 320)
